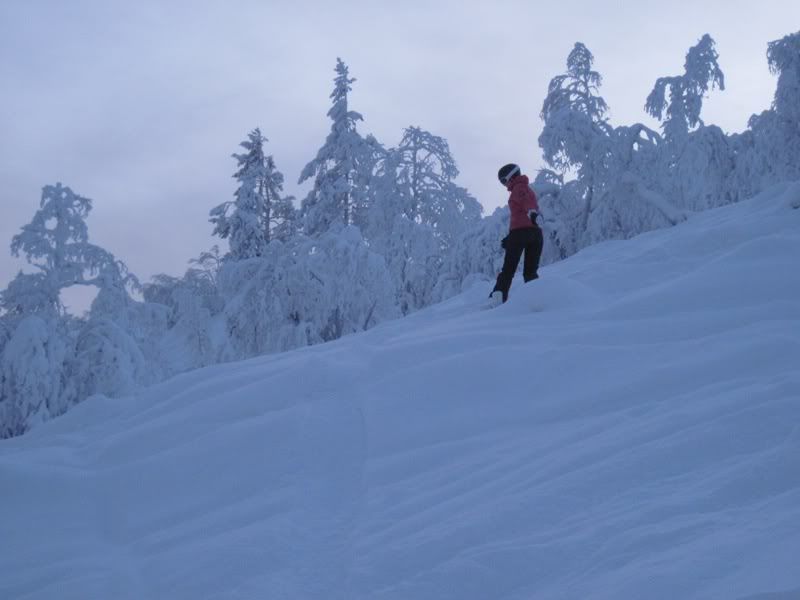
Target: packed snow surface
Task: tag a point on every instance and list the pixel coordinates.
(628, 426)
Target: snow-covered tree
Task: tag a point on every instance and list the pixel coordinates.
(476, 253)
(427, 170)
(56, 242)
(410, 248)
(577, 140)
(615, 191)
(305, 292)
(191, 303)
(33, 382)
(681, 111)
(29, 294)
(767, 151)
(574, 115)
(696, 162)
(783, 56)
(417, 213)
(347, 286)
(251, 306)
(42, 374)
(260, 211)
(208, 265)
(117, 345)
(106, 360)
(342, 168)
(113, 300)
(576, 137)
(561, 207)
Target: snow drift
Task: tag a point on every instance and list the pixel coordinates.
(628, 426)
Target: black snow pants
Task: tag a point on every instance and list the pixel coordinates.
(528, 240)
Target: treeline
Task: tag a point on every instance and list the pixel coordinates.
(383, 232)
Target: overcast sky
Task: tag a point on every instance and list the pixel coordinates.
(139, 105)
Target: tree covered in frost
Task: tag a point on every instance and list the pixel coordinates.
(43, 362)
(696, 160)
(768, 150)
(576, 138)
(107, 360)
(260, 211)
(342, 168)
(416, 214)
(574, 105)
(191, 303)
(56, 244)
(409, 247)
(304, 292)
(428, 171)
(784, 60)
(347, 287)
(34, 385)
(29, 294)
(604, 182)
(677, 101)
(476, 253)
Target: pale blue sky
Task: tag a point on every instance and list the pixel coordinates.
(139, 105)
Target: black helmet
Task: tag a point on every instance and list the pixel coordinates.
(506, 173)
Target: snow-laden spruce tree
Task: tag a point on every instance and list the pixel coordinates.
(677, 101)
(632, 199)
(7, 327)
(260, 211)
(34, 385)
(607, 178)
(115, 346)
(576, 138)
(696, 161)
(36, 347)
(409, 247)
(768, 151)
(106, 360)
(29, 294)
(558, 220)
(56, 244)
(417, 213)
(342, 168)
(576, 130)
(307, 291)
(38, 363)
(475, 255)
(113, 300)
(344, 286)
(428, 171)
(783, 56)
(190, 304)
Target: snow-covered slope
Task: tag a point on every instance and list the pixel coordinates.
(628, 426)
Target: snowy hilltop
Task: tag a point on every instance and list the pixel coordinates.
(624, 427)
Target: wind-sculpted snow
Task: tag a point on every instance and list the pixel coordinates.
(628, 426)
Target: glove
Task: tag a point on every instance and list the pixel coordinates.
(533, 216)
(504, 242)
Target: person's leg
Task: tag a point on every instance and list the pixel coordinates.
(510, 263)
(533, 254)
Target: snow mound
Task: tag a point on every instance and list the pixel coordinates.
(627, 426)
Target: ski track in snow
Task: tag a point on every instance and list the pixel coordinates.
(628, 426)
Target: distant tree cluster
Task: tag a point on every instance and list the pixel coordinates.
(383, 232)
(606, 182)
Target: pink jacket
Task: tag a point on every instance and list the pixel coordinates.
(522, 200)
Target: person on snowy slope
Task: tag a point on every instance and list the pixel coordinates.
(524, 235)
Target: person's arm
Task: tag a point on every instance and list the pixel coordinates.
(534, 200)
